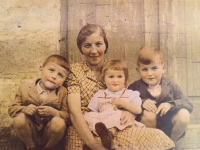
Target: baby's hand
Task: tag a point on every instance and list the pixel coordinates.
(149, 105)
(46, 111)
(30, 109)
(117, 102)
(163, 108)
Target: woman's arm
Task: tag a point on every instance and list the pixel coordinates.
(79, 122)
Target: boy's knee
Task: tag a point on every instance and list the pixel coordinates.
(149, 119)
(149, 116)
(20, 120)
(182, 116)
(57, 124)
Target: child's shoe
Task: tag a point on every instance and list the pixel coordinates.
(105, 135)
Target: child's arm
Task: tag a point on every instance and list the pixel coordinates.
(180, 101)
(48, 111)
(61, 111)
(18, 106)
(134, 108)
(163, 108)
(174, 100)
(135, 103)
(149, 105)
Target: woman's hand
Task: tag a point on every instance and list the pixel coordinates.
(30, 109)
(163, 108)
(97, 145)
(149, 105)
(127, 118)
(79, 123)
(47, 111)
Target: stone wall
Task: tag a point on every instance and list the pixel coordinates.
(29, 32)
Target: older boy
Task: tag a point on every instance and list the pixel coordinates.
(164, 105)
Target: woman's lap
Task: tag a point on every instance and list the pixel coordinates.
(129, 138)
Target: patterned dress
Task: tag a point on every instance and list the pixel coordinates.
(83, 80)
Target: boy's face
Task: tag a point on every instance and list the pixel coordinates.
(114, 80)
(152, 73)
(52, 76)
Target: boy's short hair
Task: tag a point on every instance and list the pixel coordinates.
(59, 60)
(148, 54)
(115, 64)
(86, 31)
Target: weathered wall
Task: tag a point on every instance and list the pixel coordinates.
(29, 32)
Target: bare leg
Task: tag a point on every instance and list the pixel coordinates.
(149, 119)
(113, 130)
(22, 127)
(180, 122)
(56, 130)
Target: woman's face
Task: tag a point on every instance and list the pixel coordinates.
(93, 49)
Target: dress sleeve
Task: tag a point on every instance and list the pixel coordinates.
(72, 84)
(135, 98)
(93, 105)
(64, 110)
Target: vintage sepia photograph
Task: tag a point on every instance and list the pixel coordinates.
(100, 75)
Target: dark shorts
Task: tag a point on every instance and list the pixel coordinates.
(164, 123)
(39, 136)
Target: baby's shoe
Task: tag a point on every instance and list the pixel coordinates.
(105, 135)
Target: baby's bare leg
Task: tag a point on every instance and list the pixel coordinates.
(180, 122)
(149, 119)
(113, 130)
(55, 130)
(22, 126)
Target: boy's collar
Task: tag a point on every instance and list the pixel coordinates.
(40, 89)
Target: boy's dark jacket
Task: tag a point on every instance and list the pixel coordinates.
(170, 92)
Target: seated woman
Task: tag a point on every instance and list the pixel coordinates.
(83, 82)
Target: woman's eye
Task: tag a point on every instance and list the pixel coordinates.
(119, 76)
(87, 45)
(98, 44)
(154, 68)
